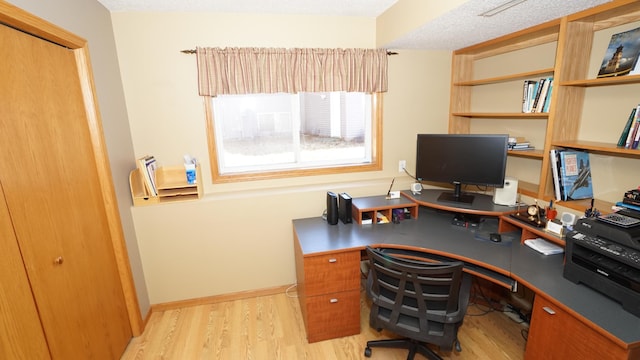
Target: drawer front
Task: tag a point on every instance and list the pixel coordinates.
(332, 273)
(556, 334)
(333, 315)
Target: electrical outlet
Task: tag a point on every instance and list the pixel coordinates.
(402, 164)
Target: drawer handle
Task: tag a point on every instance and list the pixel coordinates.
(548, 310)
(333, 301)
(332, 260)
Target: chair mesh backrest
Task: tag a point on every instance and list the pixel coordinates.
(416, 299)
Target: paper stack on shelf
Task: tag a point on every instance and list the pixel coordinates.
(519, 143)
(543, 246)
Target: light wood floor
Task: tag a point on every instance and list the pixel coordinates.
(271, 327)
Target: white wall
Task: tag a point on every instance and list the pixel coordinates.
(239, 236)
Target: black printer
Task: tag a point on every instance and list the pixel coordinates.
(606, 258)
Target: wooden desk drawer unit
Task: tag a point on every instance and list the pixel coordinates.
(329, 294)
(556, 334)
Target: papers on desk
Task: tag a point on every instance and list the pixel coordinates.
(543, 246)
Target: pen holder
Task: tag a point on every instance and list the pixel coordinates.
(190, 170)
(551, 213)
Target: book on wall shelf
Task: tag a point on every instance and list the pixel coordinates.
(147, 166)
(555, 172)
(571, 174)
(621, 55)
(574, 171)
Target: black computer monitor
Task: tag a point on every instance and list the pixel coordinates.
(475, 159)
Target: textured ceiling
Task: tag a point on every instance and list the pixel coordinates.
(453, 30)
(463, 26)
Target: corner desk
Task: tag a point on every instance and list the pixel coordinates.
(568, 321)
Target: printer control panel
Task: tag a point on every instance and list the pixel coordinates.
(620, 252)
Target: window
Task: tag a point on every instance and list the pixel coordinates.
(260, 136)
(258, 130)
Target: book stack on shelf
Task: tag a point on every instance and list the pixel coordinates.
(630, 136)
(571, 172)
(536, 95)
(630, 201)
(519, 143)
(147, 166)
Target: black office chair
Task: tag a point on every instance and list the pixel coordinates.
(422, 301)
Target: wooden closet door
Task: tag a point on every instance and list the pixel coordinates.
(52, 191)
(21, 335)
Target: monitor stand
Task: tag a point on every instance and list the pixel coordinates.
(456, 197)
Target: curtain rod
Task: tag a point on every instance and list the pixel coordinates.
(193, 52)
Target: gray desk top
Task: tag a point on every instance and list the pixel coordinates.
(433, 232)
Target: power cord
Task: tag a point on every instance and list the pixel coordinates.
(411, 175)
(286, 292)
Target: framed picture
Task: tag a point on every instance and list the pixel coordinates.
(621, 55)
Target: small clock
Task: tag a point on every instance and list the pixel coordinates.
(533, 210)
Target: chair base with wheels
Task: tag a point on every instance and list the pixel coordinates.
(414, 347)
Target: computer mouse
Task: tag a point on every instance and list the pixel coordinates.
(495, 237)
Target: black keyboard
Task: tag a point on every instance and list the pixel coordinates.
(629, 212)
(619, 220)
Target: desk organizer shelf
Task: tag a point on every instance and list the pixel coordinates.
(369, 207)
(171, 183)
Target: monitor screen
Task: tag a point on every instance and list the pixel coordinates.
(475, 159)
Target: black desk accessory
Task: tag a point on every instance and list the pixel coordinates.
(592, 212)
(332, 208)
(344, 208)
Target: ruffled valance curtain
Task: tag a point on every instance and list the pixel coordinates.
(274, 70)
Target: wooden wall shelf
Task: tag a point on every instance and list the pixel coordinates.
(171, 183)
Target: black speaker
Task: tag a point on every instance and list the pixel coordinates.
(332, 208)
(344, 208)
